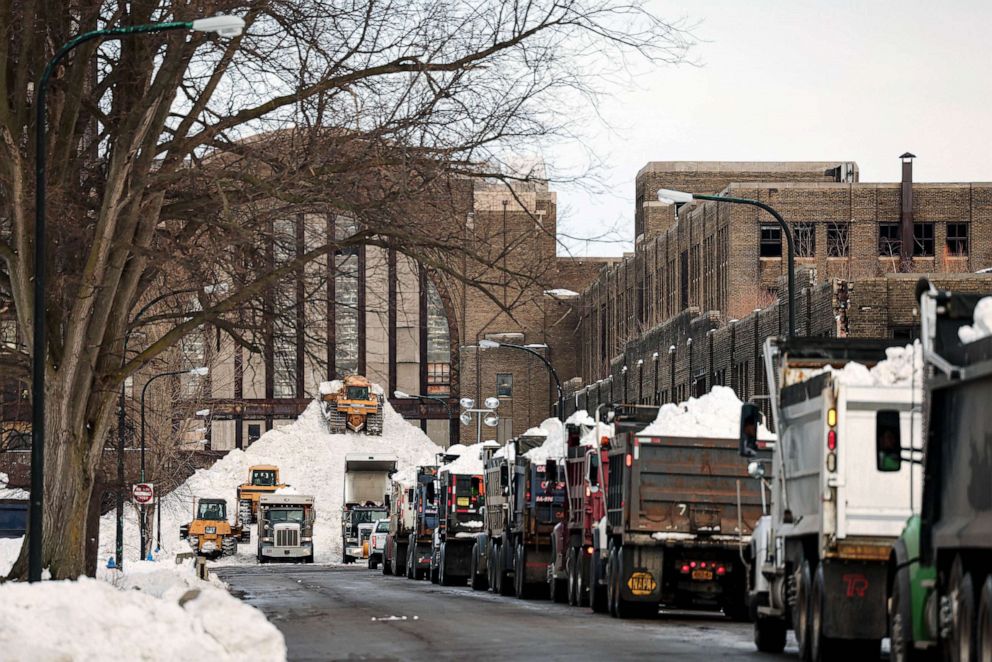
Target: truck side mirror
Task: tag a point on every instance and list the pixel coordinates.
(751, 418)
(888, 444)
(385, 500)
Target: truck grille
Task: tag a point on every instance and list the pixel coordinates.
(287, 537)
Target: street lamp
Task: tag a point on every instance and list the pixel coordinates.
(676, 197)
(623, 371)
(671, 361)
(657, 387)
(640, 380)
(197, 372)
(532, 348)
(486, 414)
(225, 26)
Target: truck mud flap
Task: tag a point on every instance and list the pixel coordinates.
(855, 599)
(642, 574)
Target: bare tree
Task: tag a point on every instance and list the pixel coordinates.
(172, 155)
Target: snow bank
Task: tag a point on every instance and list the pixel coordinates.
(11, 492)
(9, 549)
(152, 612)
(469, 461)
(553, 446)
(982, 326)
(716, 414)
(310, 460)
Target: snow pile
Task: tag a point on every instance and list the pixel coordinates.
(310, 460)
(902, 366)
(554, 444)
(469, 461)
(152, 612)
(982, 325)
(11, 492)
(9, 549)
(716, 414)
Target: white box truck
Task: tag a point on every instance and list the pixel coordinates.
(820, 556)
(366, 483)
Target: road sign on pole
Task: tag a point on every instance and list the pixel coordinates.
(143, 493)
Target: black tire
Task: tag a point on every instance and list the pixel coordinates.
(557, 588)
(961, 591)
(387, 568)
(572, 579)
(504, 580)
(611, 582)
(597, 593)
(373, 564)
(627, 608)
(769, 634)
(985, 621)
(519, 573)
(581, 577)
(479, 582)
(801, 615)
(411, 561)
(308, 559)
(491, 568)
(900, 621)
(821, 647)
(399, 560)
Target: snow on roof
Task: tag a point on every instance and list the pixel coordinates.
(982, 325)
(310, 460)
(716, 414)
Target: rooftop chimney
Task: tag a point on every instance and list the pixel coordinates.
(906, 215)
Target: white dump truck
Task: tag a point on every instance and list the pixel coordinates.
(285, 528)
(366, 483)
(820, 557)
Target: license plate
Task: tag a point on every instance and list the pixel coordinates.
(462, 501)
(702, 575)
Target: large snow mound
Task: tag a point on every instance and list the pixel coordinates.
(153, 612)
(902, 366)
(310, 460)
(716, 414)
(982, 325)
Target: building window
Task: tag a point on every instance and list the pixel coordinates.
(957, 239)
(438, 378)
(838, 243)
(504, 385)
(771, 241)
(254, 433)
(923, 239)
(804, 235)
(889, 243)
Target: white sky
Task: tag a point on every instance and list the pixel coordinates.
(796, 80)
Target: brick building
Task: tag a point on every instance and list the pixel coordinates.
(700, 271)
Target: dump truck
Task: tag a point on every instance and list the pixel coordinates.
(262, 479)
(366, 481)
(459, 522)
(351, 404)
(577, 573)
(821, 556)
(524, 502)
(420, 541)
(940, 570)
(210, 534)
(401, 524)
(680, 511)
(285, 528)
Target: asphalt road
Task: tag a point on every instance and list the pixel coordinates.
(342, 613)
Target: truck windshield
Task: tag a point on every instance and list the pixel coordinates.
(358, 392)
(363, 516)
(263, 478)
(382, 526)
(213, 511)
(286, 515)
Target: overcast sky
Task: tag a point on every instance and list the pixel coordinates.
(793, 80)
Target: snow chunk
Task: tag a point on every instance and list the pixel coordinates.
(716, 414)
(11, 492)
(560, 293)
(554, 444)
(901, 366)
(468, 463)
(982, 325)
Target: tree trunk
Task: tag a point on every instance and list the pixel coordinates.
(73, 447)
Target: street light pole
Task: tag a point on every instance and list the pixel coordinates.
(669, 196)
(657, 387)
(671, 361)
(623, 371)
(640, 380)
(144, 390)
(225, 26)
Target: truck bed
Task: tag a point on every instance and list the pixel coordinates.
(676, 488)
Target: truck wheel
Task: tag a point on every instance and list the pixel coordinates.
(627, 608)
(308, 559)
(478, 581)
(985, 622)
(962, 597)
(445, 576)
(570, 573)
(769, 635)
(520, 573)
(597, 592)
(581, 576)
(800, 619)
(372, 564)
(557, 588)
(411, 564)
(900, 623)
(611, 579)
(821, 647)
(386, 566)
(505, 581)
(399, 560)
(491, 568)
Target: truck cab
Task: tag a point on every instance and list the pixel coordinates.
(461, 499)
(285, 528)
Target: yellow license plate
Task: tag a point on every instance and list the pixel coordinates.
(462, 501)
(702, 575)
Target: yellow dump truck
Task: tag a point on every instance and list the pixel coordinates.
(351, 404)
(262, 479)
(210, 534)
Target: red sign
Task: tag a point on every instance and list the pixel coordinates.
(143, 493)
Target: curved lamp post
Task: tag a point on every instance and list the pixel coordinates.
(669, 196)
(225, 26)
(532, 349)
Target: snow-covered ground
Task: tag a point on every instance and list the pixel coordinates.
(982, 325)
(154, 611)
(310, 460)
